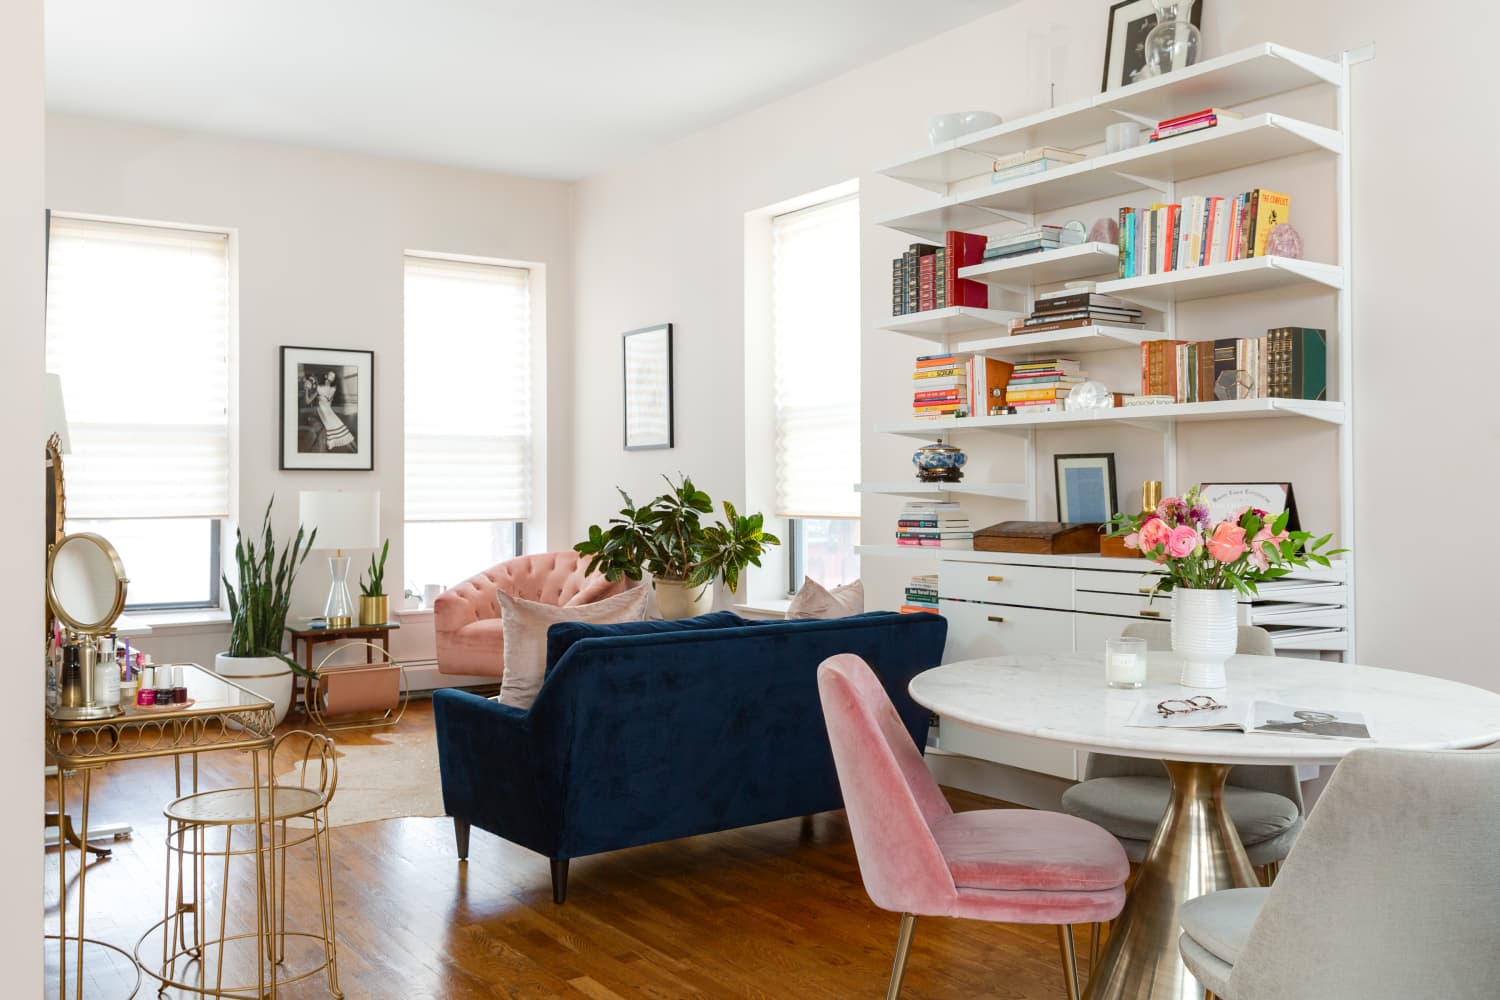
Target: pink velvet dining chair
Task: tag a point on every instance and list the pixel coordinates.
(919, 857)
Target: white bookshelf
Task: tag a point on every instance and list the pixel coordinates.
(1083, 260)
(1156, 417)
(1078, 340)
(1235, 277)
(939, 324)
(898, 551)
(920, 490)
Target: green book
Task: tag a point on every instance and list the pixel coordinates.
(1297, 367)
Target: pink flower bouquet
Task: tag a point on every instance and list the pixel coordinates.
(1199, 554)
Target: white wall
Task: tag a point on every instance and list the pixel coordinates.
(21, 450)
(320, 243)
(661, 239)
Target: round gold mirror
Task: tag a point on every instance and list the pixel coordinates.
(86, 583)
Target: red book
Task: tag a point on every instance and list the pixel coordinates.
(926, 283)
(964, 250)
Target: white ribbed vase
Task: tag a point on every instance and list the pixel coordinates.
(1204, 633)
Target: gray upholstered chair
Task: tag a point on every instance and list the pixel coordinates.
(1128, 795)
(1389, 895)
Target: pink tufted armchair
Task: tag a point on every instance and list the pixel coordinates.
(470, 639)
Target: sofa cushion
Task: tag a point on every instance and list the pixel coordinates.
(526, 623)
(560, 637)
(814, 600)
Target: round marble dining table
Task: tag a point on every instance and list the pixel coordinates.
(1061, 698)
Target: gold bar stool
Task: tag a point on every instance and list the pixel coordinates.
(197, 963)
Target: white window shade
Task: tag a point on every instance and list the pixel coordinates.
(138, 329)
(815, 325)
(468, 391)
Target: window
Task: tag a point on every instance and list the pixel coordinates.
(815, 343)
(138, 331)
(468, 417)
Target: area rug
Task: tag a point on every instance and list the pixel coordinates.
(382, 775)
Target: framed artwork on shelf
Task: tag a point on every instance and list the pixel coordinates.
(1224, 499)
(647, 355)
(1130, 21)
(1085, 488)
(327, 409)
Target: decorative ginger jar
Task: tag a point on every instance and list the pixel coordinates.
(939, 463)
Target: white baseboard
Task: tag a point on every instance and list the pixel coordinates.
(423, 675)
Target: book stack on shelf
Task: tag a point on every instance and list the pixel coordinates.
(1069, 308)
(934, 524)
(1287, 363)
(944, 385)
(1033, 240)
(1195, 122)
(1200, 231)
(926, 276)
(1030, 161)
(921, 594)
(1043, 386)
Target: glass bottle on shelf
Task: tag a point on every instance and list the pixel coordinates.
(1175, 41)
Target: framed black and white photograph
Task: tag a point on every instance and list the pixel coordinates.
(648, 388)
(1130, 21)
(327, 409)
(1225, 499)
(1085, 488)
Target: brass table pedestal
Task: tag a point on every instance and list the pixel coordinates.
(1196, 851)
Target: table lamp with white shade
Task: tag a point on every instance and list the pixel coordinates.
(343, 521)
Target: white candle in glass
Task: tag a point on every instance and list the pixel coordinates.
(1125, 662)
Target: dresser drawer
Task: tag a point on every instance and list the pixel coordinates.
(976, 630)
(1015, 751)
(1321, 615)
(999, 583)
(1109, 582)
(1133, 605)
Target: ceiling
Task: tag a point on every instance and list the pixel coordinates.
(543, 89)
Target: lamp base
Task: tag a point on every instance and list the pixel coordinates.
(339, 609)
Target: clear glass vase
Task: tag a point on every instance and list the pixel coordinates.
(1175, 42)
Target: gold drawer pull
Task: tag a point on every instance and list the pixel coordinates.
(995, 579)
(996, 619)
(1150, 614)
(1146, 590)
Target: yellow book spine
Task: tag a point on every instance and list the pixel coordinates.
(1272, 210)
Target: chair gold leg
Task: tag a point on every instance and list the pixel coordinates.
(1069, 960)
(1095, 942)
(903, 946)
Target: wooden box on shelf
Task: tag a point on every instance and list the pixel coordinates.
(1114, 546)
(1038, 538)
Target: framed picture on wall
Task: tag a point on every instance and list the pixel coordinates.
(1085, 488)
(327, 409)
(1130, 21)
(648, 387)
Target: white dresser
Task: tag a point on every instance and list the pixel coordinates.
(1004, 602)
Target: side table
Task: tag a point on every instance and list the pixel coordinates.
(372, 694)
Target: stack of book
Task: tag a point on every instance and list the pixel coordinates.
(1195, 122)
(1200, 231)
(1030, 161)
(1033, 240)
(1068, 308)
(1042, 386)
(1287, 363)
(940, 387)
(921, 594)
(926, 276)
(934, 524)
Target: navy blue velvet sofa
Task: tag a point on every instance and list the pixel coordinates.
(651, 731)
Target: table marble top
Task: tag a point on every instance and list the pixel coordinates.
(1062, 698)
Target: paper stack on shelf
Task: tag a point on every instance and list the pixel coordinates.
(1033, 240)
(921, 594)
(1042, 386)
(933, 524)
(1066, 309)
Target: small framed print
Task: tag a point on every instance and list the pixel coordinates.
(1085, 488)
(1130, 21)
(1224, 499)
(327, 409)
(648, 387)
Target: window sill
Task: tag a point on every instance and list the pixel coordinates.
(764, 608)
(197, 618)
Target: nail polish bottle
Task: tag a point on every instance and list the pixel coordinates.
(179, 687)
(146, 696)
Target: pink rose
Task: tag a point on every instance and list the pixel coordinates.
(1133, 540)
(1227, 543)
(1267, 546)
(1154, 533)
(1183, 542)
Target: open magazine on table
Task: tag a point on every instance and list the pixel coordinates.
(1258, 717)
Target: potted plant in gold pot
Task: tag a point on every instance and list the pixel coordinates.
(374, 605)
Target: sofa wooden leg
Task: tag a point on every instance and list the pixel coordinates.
(559, 880)
(461, 835)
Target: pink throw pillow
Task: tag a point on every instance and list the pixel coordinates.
(526, 622)
(816, 601)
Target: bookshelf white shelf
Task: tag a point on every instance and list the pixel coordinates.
(1158, 417)
(1083, 260)
(1079, 340)
(900, 551)
(912, 488)
(1235, 277)
(1226, 146)
(939, 324)
(1235, 78)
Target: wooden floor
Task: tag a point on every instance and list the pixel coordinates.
(775, 910)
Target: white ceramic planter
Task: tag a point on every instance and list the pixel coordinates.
(265, 675)
(1204, 634)
(678, 600)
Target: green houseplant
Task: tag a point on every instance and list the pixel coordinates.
(374, 605)
(667, 537)
(258, 611)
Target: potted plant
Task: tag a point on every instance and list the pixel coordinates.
(667, 538)
(374, 606)
(1208, 563)
(257, 613)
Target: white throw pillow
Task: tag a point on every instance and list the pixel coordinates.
(816, 601)
(526, 623)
